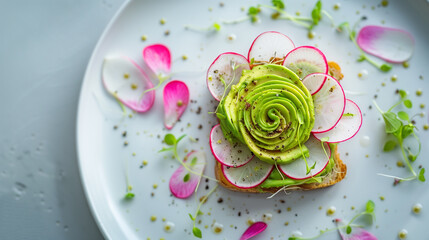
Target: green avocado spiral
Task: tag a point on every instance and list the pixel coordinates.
(271, 111)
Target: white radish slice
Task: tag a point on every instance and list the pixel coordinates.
(176, 99)
(329, 103)
(298, 170)
(248, 176)
(182, 182)
(347, 127)
(227, 154)
(270, 45)
(126, 81)
(227, 67)
(305, 60)
(391, 44)
(314, 82)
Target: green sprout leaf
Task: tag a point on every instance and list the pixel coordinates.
(389, 146)
(341, 27)
(166, 149)
(412, 157)
(316, 14)
(170, 139)
(407, 130)
(385, 67)
(186, 177)
(404, 116)
(422, 175)
(349, 229)
(348, 115)
(370, 206)
(253, 13)
(129, 196)
(361, 58)
(292, 238)
(278, 4)
(216, 26)
(393, 124)
(408, 103)
(197, 232)
(194, 161)
(192, 217)
(403, 94)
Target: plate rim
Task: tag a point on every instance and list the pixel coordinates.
(79, 115)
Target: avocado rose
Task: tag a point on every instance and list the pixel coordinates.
(271, 111)
(281, 115)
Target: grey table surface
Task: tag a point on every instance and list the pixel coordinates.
(45, 46)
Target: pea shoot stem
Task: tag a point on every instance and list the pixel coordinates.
(406, 159)
(203, 200)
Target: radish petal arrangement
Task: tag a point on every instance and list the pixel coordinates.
(132, 84)
(336, 118)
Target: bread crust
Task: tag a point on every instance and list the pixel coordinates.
(338, 173)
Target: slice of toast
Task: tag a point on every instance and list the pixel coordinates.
(338, 173)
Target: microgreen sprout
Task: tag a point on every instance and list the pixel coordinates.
(400, 126)
(172, 141)
(385, 67)
(215, 27)
(195, 230)
(128, 195)
(369, 211)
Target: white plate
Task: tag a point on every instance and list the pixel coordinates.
(102, 154)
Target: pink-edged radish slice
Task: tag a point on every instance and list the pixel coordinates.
(176, 99)
(231, 155)
(356, 234)
(270, 45)
(126, 81)
(390, 44)
(182, 182)
(250, 175)
(158, 58)
(255, 229)
(298, 170)
(314, 82)
(226, 67)
(305, 60)
(329, 103)
(347, 127)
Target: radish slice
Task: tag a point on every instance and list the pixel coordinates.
(391, 44)
(347, 127)
(253, 230)
(248, 176)
(314, 82)
(227, 67)
(305, 60)
(227, 154)
(158, 58)
(298, 170)
(126, 81)
(270, 45)
(329, 103)
(176, 99)
(182, 182)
